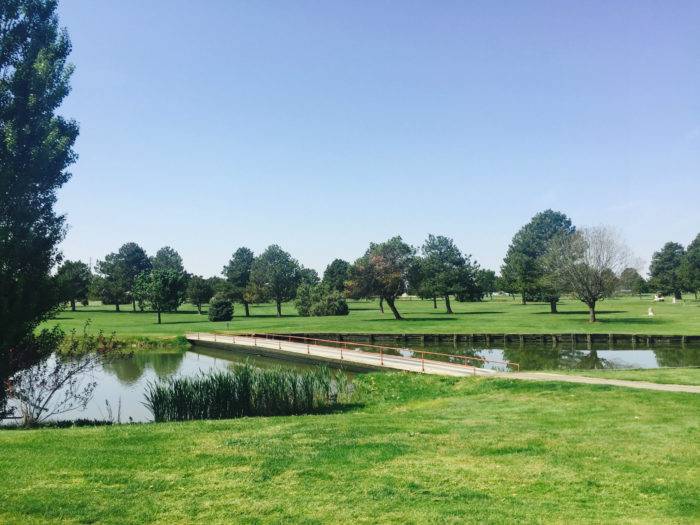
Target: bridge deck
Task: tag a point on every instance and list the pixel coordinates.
(319, 352)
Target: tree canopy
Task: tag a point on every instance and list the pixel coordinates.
(587, 264)
(73, 281)
(275, 275)
(383, 271)
(665, 269)
(522, 269)
(163, 290)
(237, 273)
(199, 291)
(443, 270)
(167, 259)
(690, 267)
(36, 149)
(336, 274)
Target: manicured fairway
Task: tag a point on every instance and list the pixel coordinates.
(503, 315)
(420, 449)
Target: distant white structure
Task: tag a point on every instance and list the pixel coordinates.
(674, 300)
(658, 298)
(650, 312)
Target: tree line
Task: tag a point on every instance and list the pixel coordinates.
(387, 270)
(547, 258)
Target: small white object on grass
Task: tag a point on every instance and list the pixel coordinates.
(650, 313)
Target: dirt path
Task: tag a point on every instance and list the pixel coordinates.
(644, 385)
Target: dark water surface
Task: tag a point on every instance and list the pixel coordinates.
(122, 383)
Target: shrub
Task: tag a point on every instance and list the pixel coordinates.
(220, 309)
(245, 391)
(320, 300)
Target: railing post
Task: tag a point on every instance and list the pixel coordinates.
(381, 356)
(308, 348)
(215, 338)
(341, 353)
(279, 345)
(422, 360)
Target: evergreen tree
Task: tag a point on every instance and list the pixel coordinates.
(73, 280)
(665, 269)
(237, 273)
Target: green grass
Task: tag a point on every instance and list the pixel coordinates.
(422, 449)
(502, 315)
(678, 376)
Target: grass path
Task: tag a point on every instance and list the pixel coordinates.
(593, 380)
(419, 449)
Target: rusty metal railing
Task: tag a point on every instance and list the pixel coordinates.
(382, 350)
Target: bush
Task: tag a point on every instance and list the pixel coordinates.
(320, 300)
(220, 309)
(245, 391)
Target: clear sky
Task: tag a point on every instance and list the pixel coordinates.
(321, 126)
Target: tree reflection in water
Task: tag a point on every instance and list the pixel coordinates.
(130, 369)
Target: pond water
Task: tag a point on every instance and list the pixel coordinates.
(121, 383)
(538, 357)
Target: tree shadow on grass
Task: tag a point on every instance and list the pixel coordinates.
(478, 313)
(633, 320)
(581, 312)
(410, 319)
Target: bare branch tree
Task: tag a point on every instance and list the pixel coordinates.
(63, 381)
(587, 264)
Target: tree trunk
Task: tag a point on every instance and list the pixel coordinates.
(390, 302)
(158, 316)
(552, 307)
(199, 308)
(678, 295)
(245, 306)
(591, 312)
(381, 304)
(117, 307)
(72, 305)
(447, 304)
(522, 297)
(133, 304)
(279, 308)
(434, 301)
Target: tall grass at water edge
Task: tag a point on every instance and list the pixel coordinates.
(245, 391)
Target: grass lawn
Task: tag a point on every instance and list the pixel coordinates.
(678, 376)
(502, 315)
(417, 449)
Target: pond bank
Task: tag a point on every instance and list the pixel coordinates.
(488, 339)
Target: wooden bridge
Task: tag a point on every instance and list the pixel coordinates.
(354, 354)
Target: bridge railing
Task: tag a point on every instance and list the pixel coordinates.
(380, 349)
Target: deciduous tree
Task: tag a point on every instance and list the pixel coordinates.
(587, 264)
(275, 274)
(36, 148)
(199, 291)
(163, 290)
(383, 271)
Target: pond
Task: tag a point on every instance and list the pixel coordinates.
(121, 383)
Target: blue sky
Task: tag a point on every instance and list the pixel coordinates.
(321, 126)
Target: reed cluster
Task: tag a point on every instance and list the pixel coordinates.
(245, 391)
